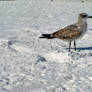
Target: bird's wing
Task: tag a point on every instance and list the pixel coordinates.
(69, 32)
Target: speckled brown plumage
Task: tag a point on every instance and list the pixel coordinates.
(68, 33)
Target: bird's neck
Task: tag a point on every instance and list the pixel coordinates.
(81, 21)
(82, 24)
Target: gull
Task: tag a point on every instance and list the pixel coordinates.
(71, 32)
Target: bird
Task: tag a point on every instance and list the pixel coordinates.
(71, 32)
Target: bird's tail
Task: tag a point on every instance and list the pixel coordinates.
(48, 36)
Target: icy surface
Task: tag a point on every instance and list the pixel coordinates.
(30, 64)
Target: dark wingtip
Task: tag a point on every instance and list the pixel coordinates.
(47, 36)
(42, 36)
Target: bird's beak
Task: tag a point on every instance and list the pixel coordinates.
(89, 16)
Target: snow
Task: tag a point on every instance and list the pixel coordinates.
(30, 64)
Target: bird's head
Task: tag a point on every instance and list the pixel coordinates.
(84, 15)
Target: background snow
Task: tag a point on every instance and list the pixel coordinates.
(30, 64)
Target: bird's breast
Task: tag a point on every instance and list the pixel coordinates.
(83, 29)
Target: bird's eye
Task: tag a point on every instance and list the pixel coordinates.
(84, 16)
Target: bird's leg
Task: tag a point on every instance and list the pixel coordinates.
(69, 45)
(75, 45)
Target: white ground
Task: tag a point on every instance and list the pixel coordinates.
(30, 64)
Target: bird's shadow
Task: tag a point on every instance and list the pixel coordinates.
(82, 48)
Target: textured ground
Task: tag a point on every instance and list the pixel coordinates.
(30, 64)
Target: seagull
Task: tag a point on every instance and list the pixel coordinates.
(71, 32)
